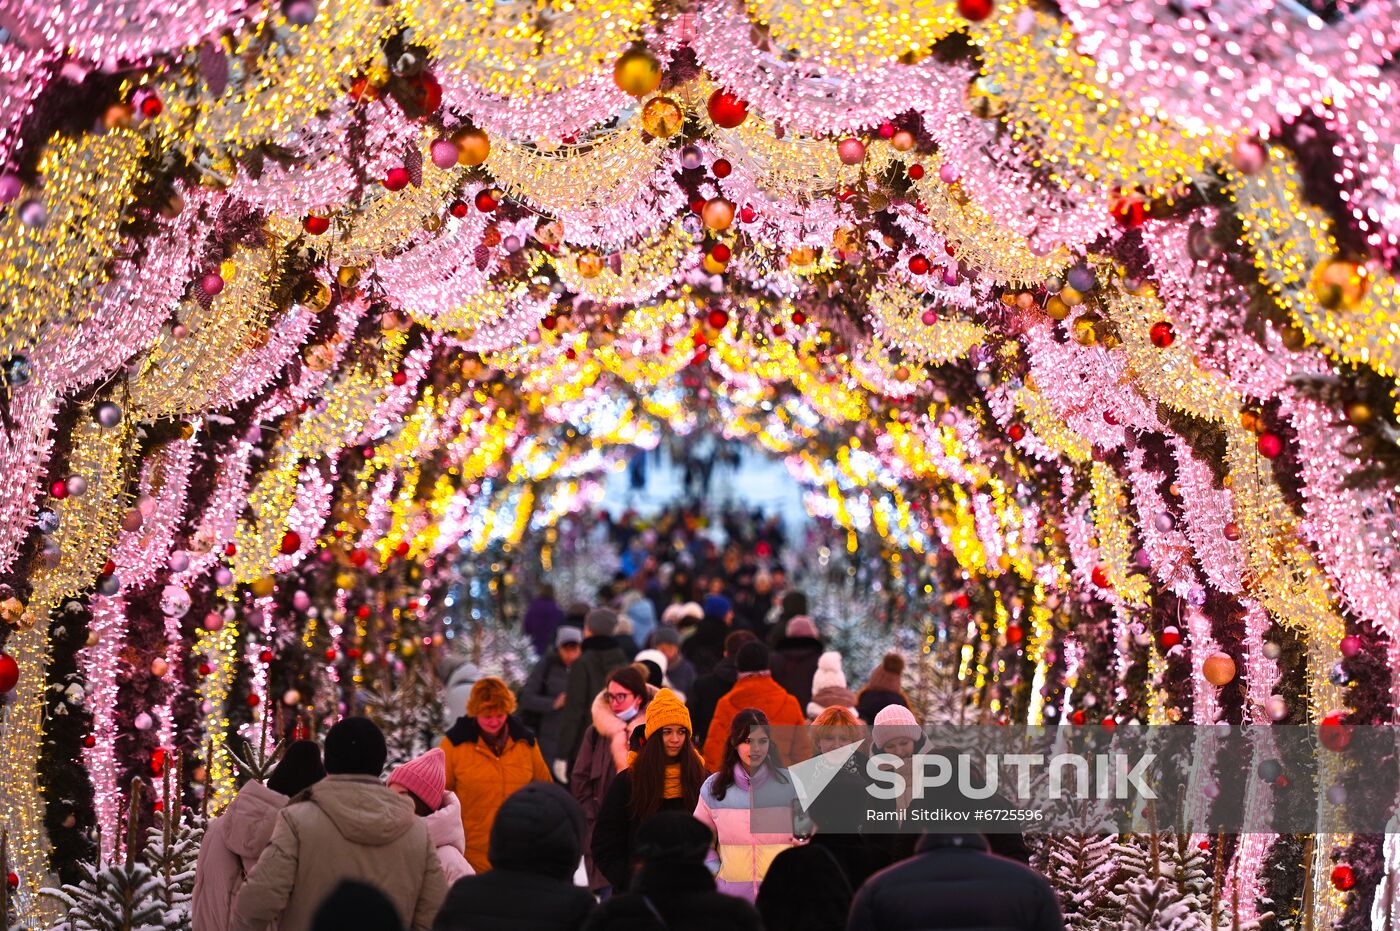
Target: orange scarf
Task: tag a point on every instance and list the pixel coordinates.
(673, 782)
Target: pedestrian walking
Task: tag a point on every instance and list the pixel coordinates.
(543, 694)
(490, 753)
(424, 780)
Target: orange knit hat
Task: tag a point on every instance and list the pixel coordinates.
(665, 710)
(490, 695)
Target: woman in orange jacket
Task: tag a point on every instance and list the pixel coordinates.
(490, 754)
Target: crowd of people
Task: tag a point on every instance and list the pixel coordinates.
(639, 779)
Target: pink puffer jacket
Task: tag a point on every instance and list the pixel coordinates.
(232, 844)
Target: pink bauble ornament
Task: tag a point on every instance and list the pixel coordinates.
(1350, 645)
(947, 173)
(444, 153)
(851, 151)
(211, 284)
(1248, 155)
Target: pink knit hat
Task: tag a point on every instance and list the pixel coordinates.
(894, 721)
(425, 777)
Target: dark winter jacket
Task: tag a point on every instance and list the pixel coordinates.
(709, 689)
(681, 673)
(954, 882)
(615, 831)
(543, 617)
(804, 890)
(536, 843)
(600, 656)
(841, 824)
(548, 680)
(705, 647)
(870, 701)
(794, 662)
(675, 897)
(601, 756)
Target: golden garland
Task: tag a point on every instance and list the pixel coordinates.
(177, 375)
(1114, 543)
(646, 268)
(526, 51)
(853, 35)
(1290, 240)
(1053, 104)
(51, 270)
(611, 169)
(999, 253)
(292, 73)
(87, 529)
(896, 315)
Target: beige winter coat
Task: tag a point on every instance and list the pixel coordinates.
(232, 844)
(344, 827)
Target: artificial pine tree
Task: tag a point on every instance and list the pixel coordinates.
(1078, 865)
(123, 896)
(172, 851)
(409, 713)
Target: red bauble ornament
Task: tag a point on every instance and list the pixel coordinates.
(400, 379)
(315, 225)
(89, 741)
(12, 880)
(1014, 634)
(205, 669)
(265, 656)
(9, 672)
(721, 253)
(396, 179)
(1170, 637)
(721, 168)
(358, 558)
(1099, 576)
(919, 265)
(231, 549)
(1270, 446)
(717, 319)
(59, 489)
(291, 542)
(1343, 877)
(916, 171)
(402, 549)
(961, 602)
(362, 612)
(727, 110)
(975, 10)
(1108, 724)
(1162, 334)
(1333, 734)
(458, 209)
(485, 201)
(1129, 212)
(550, 322)
(1078, 717)
(151, 106)
(747, 214)
(330, 655)
(798, 317)
(428, 95)
(254, 701)
(109, 568)
(1016, 432)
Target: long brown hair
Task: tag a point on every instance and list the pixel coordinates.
(744, 722)
(649, 777)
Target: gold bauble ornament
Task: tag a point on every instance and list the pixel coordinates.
(637, 73)
(712, 266)
(1359, 413)
(589, 264)
(345, 580)
(1340, 284)
(1056, 308)
(551, 233)
(717, 213)
(902, 141)
(802, 256)
(11, 610)
(1071, 297)
(473, 147)
(347, 276)
(662, 117)
(1218, 669)
(263, 587)
(1083, 332)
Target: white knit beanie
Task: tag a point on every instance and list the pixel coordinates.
(829, 672)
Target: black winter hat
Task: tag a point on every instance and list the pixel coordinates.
(299, 769)
(753, 657)
(673, 837)
(538, 829)
(355, 747)
(358, 906)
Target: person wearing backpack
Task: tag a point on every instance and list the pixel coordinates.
(542, 697)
